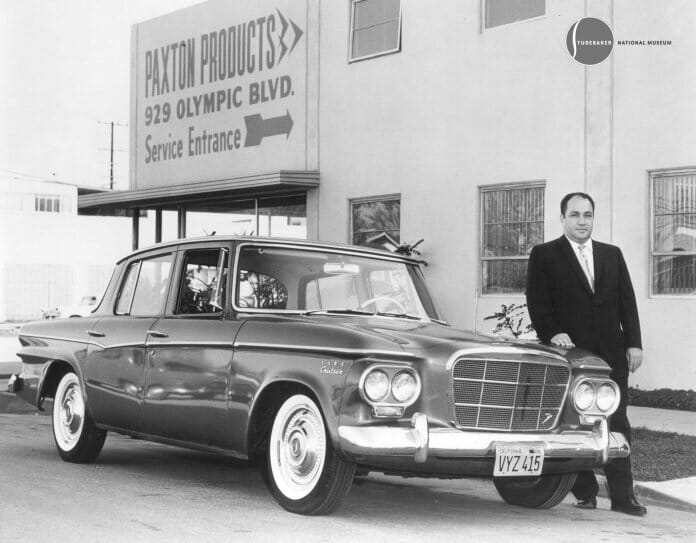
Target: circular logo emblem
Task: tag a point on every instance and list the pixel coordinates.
(590, 41)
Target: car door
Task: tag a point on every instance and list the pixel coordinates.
(115, 365)
(189, 352)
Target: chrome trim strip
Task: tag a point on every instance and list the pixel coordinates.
(313, 348)
(497, 349)
(184, 343)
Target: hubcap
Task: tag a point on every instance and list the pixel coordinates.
(298, 448)
(69, 412)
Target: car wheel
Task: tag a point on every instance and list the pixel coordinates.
(541, 492)
(77, 438)
(303, 471)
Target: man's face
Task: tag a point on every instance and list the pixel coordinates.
(578, 219)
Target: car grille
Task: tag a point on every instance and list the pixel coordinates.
(508, 395)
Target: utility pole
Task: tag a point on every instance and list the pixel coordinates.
(111, 151)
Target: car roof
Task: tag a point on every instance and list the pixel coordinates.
(343, 247)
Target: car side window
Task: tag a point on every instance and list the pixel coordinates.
(203, 282)
(145, 287)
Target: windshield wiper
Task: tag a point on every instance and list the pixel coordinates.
(338, 312)
(402, 315)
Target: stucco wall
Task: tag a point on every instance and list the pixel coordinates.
(458, 108)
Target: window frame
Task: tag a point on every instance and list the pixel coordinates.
(661, 174)
(124, 276)
(485, 28)
(290, 246)
(367, 199)
(536, 183)
(179, 274)
(351, 32)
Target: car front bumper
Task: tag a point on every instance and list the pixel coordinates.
(421, 442)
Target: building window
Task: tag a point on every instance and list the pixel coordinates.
(512, 222)
(375, 28)
(674, 232)
(48, 203)
(502, 12)
(376, 222)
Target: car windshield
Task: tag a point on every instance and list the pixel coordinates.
(315, 281)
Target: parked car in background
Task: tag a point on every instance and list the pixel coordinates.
(81, 309)
(313, 360)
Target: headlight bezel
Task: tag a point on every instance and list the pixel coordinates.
(593, 408)
(389, 400)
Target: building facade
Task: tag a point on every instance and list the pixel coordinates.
(462, 123)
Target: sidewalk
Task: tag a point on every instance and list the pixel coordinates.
(677, 493)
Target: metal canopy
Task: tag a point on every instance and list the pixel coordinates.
(172, 196)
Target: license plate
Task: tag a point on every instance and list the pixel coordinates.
(518, 461)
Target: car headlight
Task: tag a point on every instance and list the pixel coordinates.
(606, 397)
(584, 396)
(376, 385)
(404, 386)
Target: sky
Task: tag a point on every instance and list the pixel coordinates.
(64, 69)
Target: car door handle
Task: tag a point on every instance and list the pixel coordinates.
(94, 333)
(155, 333)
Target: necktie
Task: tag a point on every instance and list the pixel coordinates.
(588, 271)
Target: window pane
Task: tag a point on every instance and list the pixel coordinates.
(513, 223)
(500, 12)
(674, 274)
(377, 223)
(151, 288)
(199, 283)
(375, 27)
(374, 12)
(376, 39)
(124, 299)
(675, 232)
(504, 276)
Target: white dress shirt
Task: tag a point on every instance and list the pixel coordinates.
(590, 258)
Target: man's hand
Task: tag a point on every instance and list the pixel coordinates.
(562, 340)
(635, 358)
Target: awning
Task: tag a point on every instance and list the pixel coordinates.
(171, 196)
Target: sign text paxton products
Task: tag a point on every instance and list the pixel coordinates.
(216, 84)
(224, 54)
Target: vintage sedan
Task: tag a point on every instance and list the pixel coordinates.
(313, 361)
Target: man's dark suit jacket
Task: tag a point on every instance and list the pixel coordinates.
(559, 299)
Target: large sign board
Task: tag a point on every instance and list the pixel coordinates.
(224, 89)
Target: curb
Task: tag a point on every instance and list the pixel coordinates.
(650, 494)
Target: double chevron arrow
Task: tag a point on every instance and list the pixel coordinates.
(258, 128)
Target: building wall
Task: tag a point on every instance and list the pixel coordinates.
(654, 128)
(51, 259)
(458, 108)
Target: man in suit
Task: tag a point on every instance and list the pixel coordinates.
(579, 293)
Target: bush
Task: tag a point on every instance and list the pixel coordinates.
(663, 398)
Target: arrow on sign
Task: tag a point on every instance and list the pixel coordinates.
(258, 128)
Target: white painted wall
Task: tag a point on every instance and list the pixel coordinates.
(458, 108)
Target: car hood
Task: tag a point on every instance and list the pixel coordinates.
(367, 334)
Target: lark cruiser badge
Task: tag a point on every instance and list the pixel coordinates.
(332, 367)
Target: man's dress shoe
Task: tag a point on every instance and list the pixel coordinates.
(587, 503)
(630, 507)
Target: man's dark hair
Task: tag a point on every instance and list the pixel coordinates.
(567, 198)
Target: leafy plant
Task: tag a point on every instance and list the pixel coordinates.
(511, 318)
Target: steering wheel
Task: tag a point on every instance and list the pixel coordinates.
(370, 301)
